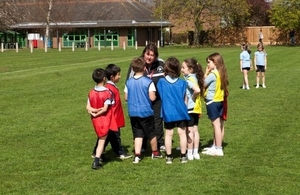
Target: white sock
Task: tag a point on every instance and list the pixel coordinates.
(195, 150)
(190, 151)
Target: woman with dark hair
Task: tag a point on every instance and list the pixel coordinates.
(154, 70)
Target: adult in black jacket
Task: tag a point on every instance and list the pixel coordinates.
(154, 70)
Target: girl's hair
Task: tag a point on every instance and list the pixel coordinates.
(217, 59)
(246, 48)
(112, 70)
(98, 75)
(192, 63)
(261, 45)
(138, 64)
(172, 67)
(150, 47)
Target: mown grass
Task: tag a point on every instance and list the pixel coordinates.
(47, 137)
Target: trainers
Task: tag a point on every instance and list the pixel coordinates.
(264, 86)
(257, 86)
(208, 150)
(190, 156)
(183, 159)
(247, 87)
(162, 148)
(215, 152)
(244, 87)
(125, 156)
(96, 165)
(197, 156)
(136, 160)
(169, 160)
(159, 155)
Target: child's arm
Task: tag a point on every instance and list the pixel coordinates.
(196, 90)
(125, 96)
(152, 91)
(241, 65)
(95, 111)
(255, 62)
(101, 110)
(265, 62)
(90, 109)
(152, 95)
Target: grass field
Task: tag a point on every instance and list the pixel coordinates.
(47, 137)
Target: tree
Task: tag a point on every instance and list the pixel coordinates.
(259, 12)
(184, 11)
(8, 14)
(205, 14)
(285, 14)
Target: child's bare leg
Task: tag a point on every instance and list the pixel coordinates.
(138, 141)
(100, 146)
(183, 139)
(257, 78)
(196, 138)
(153, 144)
(168, 141)
(245, 73)
(263, 78)
(218, 133)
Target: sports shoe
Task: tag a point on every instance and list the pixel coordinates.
(169, 160)
(96, 165)
(247, 87)
(136, 160)
(264, 86)
(183, 159)
(159, 155)
(257, 86)
(125, 156)
(244, 87)
(162, 148)
(197, 156)
(208, 150)
(215, 152)
(190, 156)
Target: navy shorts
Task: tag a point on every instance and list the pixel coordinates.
(260, 68)
(248, 68)
(194, 119)
(172, 125)
(214, 109)
(142, 127)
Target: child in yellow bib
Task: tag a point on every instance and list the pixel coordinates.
(194, 76)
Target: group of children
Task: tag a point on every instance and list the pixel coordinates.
(260, 64)
(180, 106)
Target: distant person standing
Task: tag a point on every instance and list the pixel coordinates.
(260, 64)
(260, 36)
(292, 37)
(245, 64)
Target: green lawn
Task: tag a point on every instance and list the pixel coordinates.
(47, 137)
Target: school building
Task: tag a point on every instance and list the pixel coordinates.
(81, 22)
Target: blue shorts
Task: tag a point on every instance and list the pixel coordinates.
(214, 109)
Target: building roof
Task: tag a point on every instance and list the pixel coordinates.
(88, 13)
